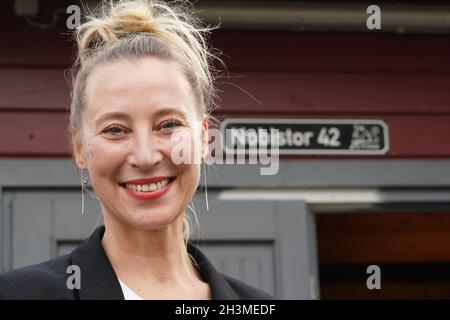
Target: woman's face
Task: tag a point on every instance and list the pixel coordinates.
(134, 109)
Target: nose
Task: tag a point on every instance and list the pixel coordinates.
(145, 151)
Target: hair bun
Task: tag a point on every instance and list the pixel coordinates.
(138, 18)
(112, 23)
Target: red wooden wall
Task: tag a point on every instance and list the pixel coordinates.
(404, 79)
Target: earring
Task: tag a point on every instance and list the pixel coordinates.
(206, 187)
(84, 183)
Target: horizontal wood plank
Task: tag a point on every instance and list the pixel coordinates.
(303, 93)
(264, 93)
(262, 50)
(291, 51)
(34, 134)
(34, 89)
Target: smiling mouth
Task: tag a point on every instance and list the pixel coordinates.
(147, 187)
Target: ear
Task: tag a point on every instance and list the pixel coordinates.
(205, 136)
(78, 152)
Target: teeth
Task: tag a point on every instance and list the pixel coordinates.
(147, 187)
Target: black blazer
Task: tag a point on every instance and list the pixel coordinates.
(48, 280)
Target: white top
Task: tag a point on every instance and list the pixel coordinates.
(128, 294)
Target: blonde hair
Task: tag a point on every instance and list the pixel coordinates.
(140, 28)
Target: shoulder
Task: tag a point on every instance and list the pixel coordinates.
(47, 280)
(247, 292)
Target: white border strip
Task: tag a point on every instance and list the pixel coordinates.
(333, 196)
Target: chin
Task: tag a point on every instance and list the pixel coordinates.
(153, 219)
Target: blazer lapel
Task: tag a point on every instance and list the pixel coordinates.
(98, 279)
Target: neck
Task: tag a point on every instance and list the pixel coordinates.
(154, 256)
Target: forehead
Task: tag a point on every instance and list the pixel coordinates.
(139, 82)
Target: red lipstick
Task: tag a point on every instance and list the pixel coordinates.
(146, 195)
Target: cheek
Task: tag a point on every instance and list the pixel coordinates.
(103, 158)
(185, 147)
(189, 180)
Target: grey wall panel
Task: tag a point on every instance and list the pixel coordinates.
(6, 201)
(233, 220)
(31, 231)
(70, 224)
(292, 173)
(252, 263)
(41, 220)
(297, 250)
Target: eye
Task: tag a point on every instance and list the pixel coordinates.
(114, 130)
(170, 124)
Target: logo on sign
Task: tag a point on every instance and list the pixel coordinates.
(365, 137)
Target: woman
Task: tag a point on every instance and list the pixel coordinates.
(143, 80)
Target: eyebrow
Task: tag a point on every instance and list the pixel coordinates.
(111, 115)
(159, 113)
(168, 111)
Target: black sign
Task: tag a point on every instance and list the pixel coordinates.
(308, 136)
